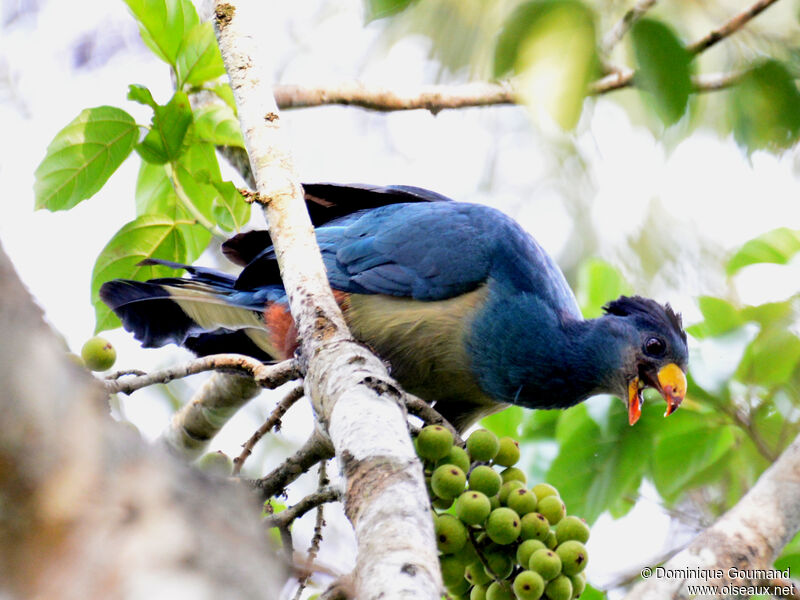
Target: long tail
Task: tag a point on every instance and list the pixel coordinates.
(203, 313)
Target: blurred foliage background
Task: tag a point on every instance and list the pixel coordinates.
(633, 230)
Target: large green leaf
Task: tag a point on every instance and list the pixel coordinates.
(378, 9)
(82, 157)
(199, 59)
(163, 24)
(506, 422)
(231, 212)
(218, 125)
(687, 444)
(663, 68)
(164, 142)
(765, 108)
(720, 317)
(155, 195)
(600, 463)
(148, 236)
(790, 557)
(598, 283)
(551, 46)
(777, 246)
(771, 358)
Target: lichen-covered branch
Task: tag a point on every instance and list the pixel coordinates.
(748, 537)
(731, 26)
(89, 510)
(357, 404)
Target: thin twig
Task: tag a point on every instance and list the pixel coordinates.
(123, 373)
(316, 448)
(272, 421)
(267, 376)
(328, 493)
(730, 27)
(419, 408)
(316, 540)
(623, 78)
(618, 31)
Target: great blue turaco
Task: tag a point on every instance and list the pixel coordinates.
(466, 307)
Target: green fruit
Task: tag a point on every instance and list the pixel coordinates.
(500, 563)
(499, 590)
(578, 584)
(98, 354)
(478, 593)
(451, 535)
(529, 585)
(573, 557)
(507, 488)
(458, 457)
(476, 574)
(572, 528)
(216, 463)
(550, 541)
(495, 501)
(482, 445)
(513, 474)
(452, 569)
(459, 588)
(467, 554)
(503, 525)
(534, 526)
(522, 501)
(542, 490)
(434, 442)
(442, 503)
(508, 454)
(559, 589)
(448, 481)
(473, 507)
(546, 563)
(526, 549)
(485, 479)
(552, 508)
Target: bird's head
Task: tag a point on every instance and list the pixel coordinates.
(656, 354)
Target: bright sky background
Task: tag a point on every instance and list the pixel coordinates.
(705, 188)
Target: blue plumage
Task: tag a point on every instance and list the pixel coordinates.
(465, 305)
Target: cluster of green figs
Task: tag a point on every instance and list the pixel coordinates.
(497, 538)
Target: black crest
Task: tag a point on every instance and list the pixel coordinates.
(647, 308)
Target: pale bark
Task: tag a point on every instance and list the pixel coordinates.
(749, 536)
(88, 510)
(357, 403)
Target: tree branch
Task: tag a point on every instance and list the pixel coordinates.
(322, 496)
(748, 537)
(730, 27)
(357, 404)
(273, 420)
(265, 376)
(618, 31)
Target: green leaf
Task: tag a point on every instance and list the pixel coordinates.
(777, 246)
(163, 23)
(720, 317)
(790, 557)
(378, 9)
(156, 196)
(687, 444)
(598, 283)
(225, 93)
(771, 358)
(164, 142)
(148, 236)
(591, 593)
(765, 108)
(505, 423)
(599, 464)
(230, 210)
(199, 59)
(218, 125)
(82, 157)
(540, 424)
(551, 46)
(663, 68)
(141, 94)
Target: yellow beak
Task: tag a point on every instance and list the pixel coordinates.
(671, 385)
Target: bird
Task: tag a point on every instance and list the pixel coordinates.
(468, 310)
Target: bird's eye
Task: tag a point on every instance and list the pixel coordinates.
(655, 346)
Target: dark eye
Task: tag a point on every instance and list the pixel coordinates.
(655, 346)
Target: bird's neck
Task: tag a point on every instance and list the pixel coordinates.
(527, 354)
